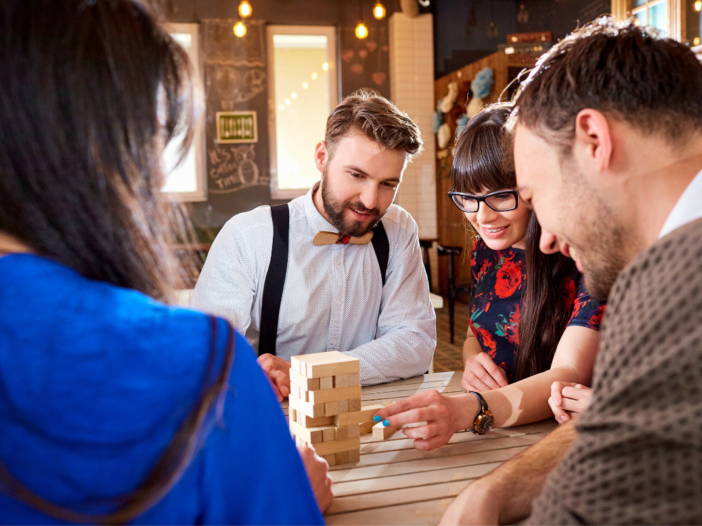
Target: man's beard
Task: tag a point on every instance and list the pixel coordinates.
(335, 212)
(601, 242)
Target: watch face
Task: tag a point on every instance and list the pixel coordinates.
(484, 423)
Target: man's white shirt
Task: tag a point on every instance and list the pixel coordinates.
(687, 209)
(334, 298)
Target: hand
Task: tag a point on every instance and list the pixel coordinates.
(278, 372)
(318, 473)
(472, 506)
(443, 416)
(697, 50)
(568, 400)
(482, 374)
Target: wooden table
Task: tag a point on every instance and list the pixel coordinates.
(396, 484)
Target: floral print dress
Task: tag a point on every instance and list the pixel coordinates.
(498, 285)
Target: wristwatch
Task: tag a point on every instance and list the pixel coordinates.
(484, 421)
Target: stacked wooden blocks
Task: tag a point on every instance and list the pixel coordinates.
(325, 405)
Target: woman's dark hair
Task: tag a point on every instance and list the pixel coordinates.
(480, 165)
(91, 91)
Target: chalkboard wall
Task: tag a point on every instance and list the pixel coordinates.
(235, 79)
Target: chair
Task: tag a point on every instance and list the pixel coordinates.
(453, 292)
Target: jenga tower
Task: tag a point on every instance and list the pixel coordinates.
(325, 405)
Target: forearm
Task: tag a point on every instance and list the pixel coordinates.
(512, 487)
(526, 401)
(471, 347)
(400, 354)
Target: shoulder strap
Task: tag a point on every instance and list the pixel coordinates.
(275, 280)
(381, 245)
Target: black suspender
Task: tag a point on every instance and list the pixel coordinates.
(275, 280)
(278, 267)
(381, 245)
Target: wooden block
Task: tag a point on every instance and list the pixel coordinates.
(341, 380)
(327, 448)
(295, 391)
(329, 433)
(354, 404)
(346, 432)
(366, 427)
(313, 411)
(381, 432)
(331, 460)
(306, 421)
(326, 383)
(334, 395)
(311, 435)
(297, 366)
(357, 417)
(342, 458)
(354, 455)
(322, 364)
(330, 408)
(343, 406)
(307, 384)
(354, 379)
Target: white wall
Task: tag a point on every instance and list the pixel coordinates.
(412, 91)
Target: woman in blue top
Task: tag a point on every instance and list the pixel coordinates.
(532, 323)
(115, 408)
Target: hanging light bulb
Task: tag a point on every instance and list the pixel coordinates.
(361, 30)
(379, 11)
(245, 9)
(239, 29)
(698, 6)
(696, 42)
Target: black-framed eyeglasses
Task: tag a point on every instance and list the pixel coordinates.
(502, 201)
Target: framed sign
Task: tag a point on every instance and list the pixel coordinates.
(236, 127)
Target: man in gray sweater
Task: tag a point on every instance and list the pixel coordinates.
(608, 151)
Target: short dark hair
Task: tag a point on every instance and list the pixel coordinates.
(479, 159)
(629, 72)
(375, 117)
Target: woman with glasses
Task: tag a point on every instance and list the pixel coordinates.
(533, 329)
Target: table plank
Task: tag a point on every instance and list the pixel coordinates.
(415, 514)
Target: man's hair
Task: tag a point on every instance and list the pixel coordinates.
(374, 117)
(626, 71)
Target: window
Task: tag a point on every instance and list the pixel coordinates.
(651, 13)
(666, 15)
(302, 92)
(186, 181)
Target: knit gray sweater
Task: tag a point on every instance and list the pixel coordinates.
(638, 454)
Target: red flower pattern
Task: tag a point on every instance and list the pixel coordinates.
(497, 296)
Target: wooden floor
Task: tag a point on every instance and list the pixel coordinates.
(447, 356)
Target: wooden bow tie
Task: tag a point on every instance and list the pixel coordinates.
(331, 238)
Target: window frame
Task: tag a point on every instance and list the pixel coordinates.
(621, 10)
(198, 144)
(331, 33)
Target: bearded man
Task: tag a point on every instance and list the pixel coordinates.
(608, 151)
(338, 269)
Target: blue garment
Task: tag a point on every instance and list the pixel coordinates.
(94, 382)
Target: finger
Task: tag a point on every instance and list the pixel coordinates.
(482, 376)
(469, 382)
(558, 412)
(479, 385)
(418, 400)
(425, 432)
(420, 414)
(573, 405)
(431, 443)
(495, 371)
(573, 393)
(281, 381)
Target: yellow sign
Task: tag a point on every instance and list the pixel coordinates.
(236, 127)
